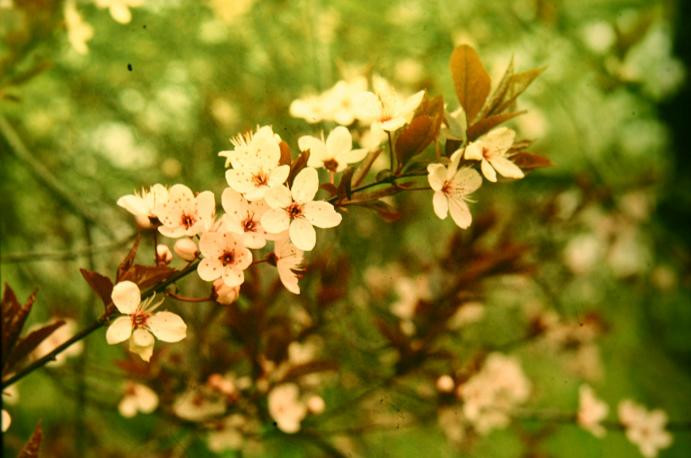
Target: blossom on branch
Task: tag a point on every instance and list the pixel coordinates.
(244, 218)
(137, 398)
(141, 324)
(335, 153)
(490, 150)
(645, 428)
(288, 263)
(296, 210)
(225, 257)
(451, 187)
(185, 214)
(385, 108)
(286, 407)
(145, 204)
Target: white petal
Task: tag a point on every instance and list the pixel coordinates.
(460, 213)
(172, 232)
(506, 168)
(209, 269)
(339, 141)
(212, 244)
(233, 277)
(367, 107)
(473, 152)
(322, 214)
(144, 353)
(126, 296)
(167, 326)
(305, 185)
(275, 220)
(287, 276)
(146, 399)
(244, 258)
(238, 180)
(142, 338)
(278, 197)
(499, 140)
(315, 146)
(488, 171)
(440, 204)
(233, 204)
(119, 330)
(466, 181)
(353, 156)
(302, 234)
(133, 204)
(436, 176)
(128, 407)
(279, 175)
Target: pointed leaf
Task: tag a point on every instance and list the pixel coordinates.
(32, 446)
(471, 80)
(518, 83)
(127, 263)
(27, 344)
(13, 318)
(147, 276)
(345, 185)
(101, 284)
(414, 138)
(298, 164)
(500, 92)
(530, 161)
(286, 155)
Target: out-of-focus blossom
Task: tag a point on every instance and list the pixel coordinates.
(385, 107)
(335, 153)
(224, 257)
(226, 434)
(339, 103)
(137, 398)
(315, 404)
(645, 428)
(119, 9)
(591, 411)
(445, 383)
(286, 407)
(296, 211)
(79, 32)
(467, 313)
(451, 188)
(490, 396)
(490, 150)
(58, 337)
(199, 404)
(185, 214)
(140, 324)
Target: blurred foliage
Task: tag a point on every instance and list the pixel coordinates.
(155, 99)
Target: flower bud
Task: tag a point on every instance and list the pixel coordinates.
(445, 384)
(225, 294)
(163, 254)
(186, 249)
(315, 404)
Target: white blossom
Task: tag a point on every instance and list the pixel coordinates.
(451, 188)
(591, 411)
(339, 103)
(296, 210)
(119, 9)
(79, 32)
(244, 218)
(225, 294)
(6, 420)
(141, 324)
(490, 150)
(286, 407)
(226, 434)
(289, 264)
(137, 398)
(385, 107)
(225, 257)
(145, 204)
(645, 428)
(335, 153)
(185, 214)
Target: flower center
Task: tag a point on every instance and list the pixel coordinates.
(385, 117)
(228, 257)
(446, 188)
(294, 210)
(187, 220)
(486, 153)
(331, 165)
(249, 225)
(260, 179)
(139, 319)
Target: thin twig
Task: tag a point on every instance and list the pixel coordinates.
(56, 255)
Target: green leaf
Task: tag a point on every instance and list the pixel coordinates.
(471, 80)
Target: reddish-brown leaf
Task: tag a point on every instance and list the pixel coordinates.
(471, 80)
(147, 276)
(127, 263)
(345, 185)
(101, 284)
(298, 164)
(286, 155)
(13, 318)
(414, 138)
(27, 344)
(486, 124)
(518, 83)
(530, 161)
(32, 446)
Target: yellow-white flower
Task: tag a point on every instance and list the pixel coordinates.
(244, 218)
(591, 411)
(184, 214)
(255, 162)
(386, 108)
(286, 407)
(491, 150)
(79, 32)
(296, 210)
(146, 203)
(645, 428)
(225, 257)
(451, 188)
(6, 420)
(140, 324)
(137, 398)
(288, 262)
(335, 153)
(119, 9)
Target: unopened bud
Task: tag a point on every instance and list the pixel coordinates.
(315, 404)
(186, 249)
(445, 384)
(225, 294)
(163, 254)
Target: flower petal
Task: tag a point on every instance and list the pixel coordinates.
(339, 141)
(473, 152)
(142, 338)
(506, 168)
(322, 214)
(302, 234)
(275, 220)
(278, 197)
(466, 181)
(440, 204)
(488, 171)
(460, 213)
(499, 140)
(279, 175)
(233, 277)
(167, 326)
(209, 269)
(305, 185)
(233, 204)
(119, 330)
(126, 296)
(212, 244)
(436, 176)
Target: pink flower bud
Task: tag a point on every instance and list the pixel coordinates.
(163, 254)
(225, 294)
(186, 249)
(445, 384)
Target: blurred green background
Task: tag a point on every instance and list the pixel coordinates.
(155, 99)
